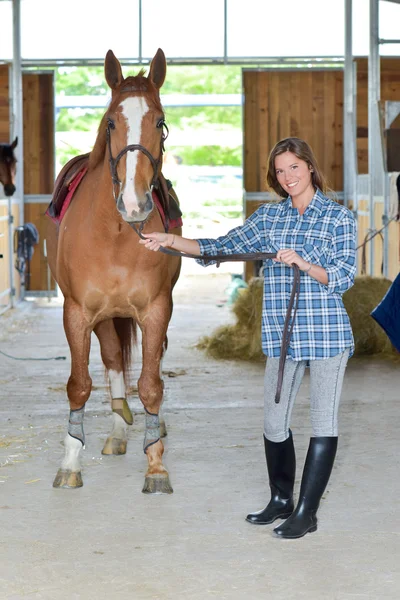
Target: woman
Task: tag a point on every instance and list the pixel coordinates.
(307, 229)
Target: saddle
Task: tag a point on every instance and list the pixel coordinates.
(63, 182)
(74, 171)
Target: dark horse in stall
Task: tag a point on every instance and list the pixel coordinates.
(109, 281)
(8, 167)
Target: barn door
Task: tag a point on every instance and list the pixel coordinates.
(39, 167)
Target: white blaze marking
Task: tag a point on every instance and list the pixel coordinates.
(133, 110)
(116, 382)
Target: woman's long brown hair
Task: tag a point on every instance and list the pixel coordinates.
(303, 151)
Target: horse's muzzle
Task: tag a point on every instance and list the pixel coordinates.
(136, 216)
(9, 189)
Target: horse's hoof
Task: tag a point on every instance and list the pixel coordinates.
(157, 484)
(66, 478)
(114, 446)
(163, 429)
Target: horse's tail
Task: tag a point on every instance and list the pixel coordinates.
(126, 329)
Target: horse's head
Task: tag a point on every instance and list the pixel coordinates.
(8, 167)
(135, 134)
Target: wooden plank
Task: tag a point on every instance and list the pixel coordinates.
(263, 145)
(394, 249)
(250, 132)
(319, 143)
(306, 130)
(337, 157)
(4, 105)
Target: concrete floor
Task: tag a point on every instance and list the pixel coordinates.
(109, 541)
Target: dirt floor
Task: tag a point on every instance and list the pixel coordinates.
(109, 541)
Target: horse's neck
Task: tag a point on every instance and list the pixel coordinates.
(102, 199)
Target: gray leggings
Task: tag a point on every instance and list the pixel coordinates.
(326, 380)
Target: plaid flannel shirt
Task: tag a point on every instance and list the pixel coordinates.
(324, 235)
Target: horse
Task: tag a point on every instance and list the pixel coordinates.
(110, 283)
(8, 167)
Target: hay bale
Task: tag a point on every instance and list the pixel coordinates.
(243, 339)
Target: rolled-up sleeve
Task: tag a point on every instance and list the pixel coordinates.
(341, 265)
(245, 238)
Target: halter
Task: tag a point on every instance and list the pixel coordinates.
(155, 163)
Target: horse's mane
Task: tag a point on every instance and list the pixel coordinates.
(139, 85)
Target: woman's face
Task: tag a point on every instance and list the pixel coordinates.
(293, 174)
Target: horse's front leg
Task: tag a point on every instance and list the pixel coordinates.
(111, 355)
(79, 386)
(154, 325)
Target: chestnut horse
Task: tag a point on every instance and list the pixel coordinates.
(8, 167)
(109, 281)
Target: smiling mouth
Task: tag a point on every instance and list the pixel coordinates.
(291, 185)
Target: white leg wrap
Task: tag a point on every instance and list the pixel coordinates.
(117, 384)
(71, 460)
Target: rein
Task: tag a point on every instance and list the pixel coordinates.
(218, 258)
(244, 257)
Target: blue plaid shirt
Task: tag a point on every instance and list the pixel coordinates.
(324, 235)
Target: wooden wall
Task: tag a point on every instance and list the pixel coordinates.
(279, 104)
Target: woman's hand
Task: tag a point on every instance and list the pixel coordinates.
(154, 240)
(290, 257)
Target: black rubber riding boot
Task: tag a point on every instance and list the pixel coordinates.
(281, 464)
(317, 470)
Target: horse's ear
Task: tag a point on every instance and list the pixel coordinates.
(158, 69)
(14, 144)
(112, 70)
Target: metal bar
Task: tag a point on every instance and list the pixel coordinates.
(17, 126)
(5, 292)
(42, 294)
(140, 49)
(37, 198)
(225, 31)
(382, 41)
(324, 61)
(348, 105)
(373, 97)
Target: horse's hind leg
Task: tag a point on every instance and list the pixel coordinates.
(111, 355)
(154, 325)
(79, 386)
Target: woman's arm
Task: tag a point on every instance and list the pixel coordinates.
(154, 240)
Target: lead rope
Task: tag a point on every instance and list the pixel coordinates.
(293, 302)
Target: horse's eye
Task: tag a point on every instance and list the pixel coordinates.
(111, 123)
(160, 123)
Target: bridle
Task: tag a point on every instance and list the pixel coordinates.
(155, 163)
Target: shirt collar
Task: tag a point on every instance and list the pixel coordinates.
(316, 203)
